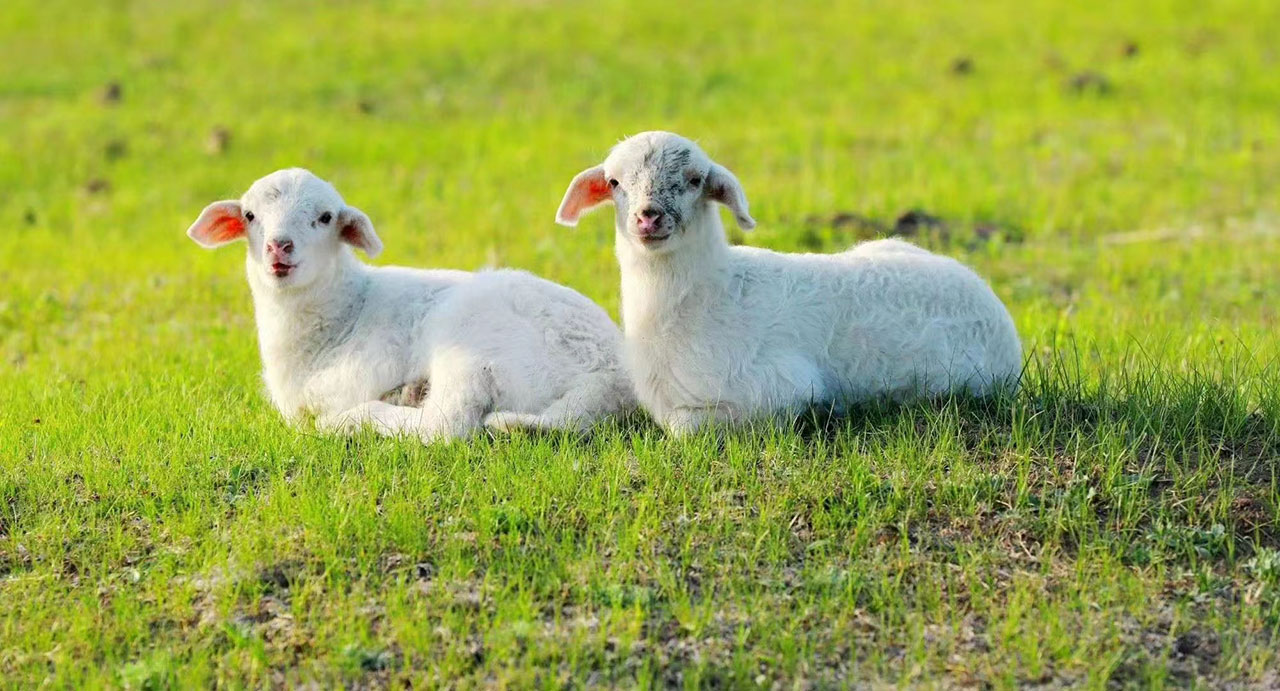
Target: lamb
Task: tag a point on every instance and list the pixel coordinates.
(717, 334)
(430, 353)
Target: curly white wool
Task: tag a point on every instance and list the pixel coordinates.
(717, 333)
(502, 348)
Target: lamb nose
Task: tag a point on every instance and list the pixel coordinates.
(281, 247)
(650, 214)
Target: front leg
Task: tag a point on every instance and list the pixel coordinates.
(460, 394)
(799, 386)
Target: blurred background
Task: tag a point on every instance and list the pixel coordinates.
(1043, 137)
(1040, 134)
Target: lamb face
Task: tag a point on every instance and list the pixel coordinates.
(296, 226)
(662, 186)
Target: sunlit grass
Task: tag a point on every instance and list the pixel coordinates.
(1112, 171)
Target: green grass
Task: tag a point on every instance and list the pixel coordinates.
(1112, 169)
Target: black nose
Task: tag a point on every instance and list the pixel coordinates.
(650, 214)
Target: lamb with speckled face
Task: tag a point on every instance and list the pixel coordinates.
(723, 334)
(430, 353)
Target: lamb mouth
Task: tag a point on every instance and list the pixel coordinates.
(280, 270)
(651, 238)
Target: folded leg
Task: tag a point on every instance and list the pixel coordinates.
(592, 397)
(460, 395)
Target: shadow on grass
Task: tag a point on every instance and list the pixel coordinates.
(1202, 450)
(1227, 416)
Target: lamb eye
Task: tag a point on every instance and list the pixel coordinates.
(326, 217)
(695, 181)
(248, 216)
(613, 182)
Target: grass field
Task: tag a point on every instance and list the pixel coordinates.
(1113, 169)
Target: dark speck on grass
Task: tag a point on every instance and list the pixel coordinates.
(1090, 82)
(376, 662)
(115, 149)
(1186, 644)
(277, 577)
(1130, 49)
(365, 106)
(219, 141)
(916, 221)
(962, 66)
(30, 217)
(398, 561)
(984, 231)
(111, 93)
(97, 186)
(475, 646)
(846, 227)
(855, 222)
(811, 239)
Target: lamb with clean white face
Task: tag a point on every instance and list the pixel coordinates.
(432, 353)
(723, 334)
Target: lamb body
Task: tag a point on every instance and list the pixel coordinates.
(716, 333)
(502, 348)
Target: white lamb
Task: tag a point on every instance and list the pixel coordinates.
(722, 334)
(429, 353)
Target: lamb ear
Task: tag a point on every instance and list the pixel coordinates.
(355, 229)
(723, 187)
(589, 189)
(220, 223)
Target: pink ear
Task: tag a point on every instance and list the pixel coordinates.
(723, 187)
(355, 229)
(588, 189)
(219, 223)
